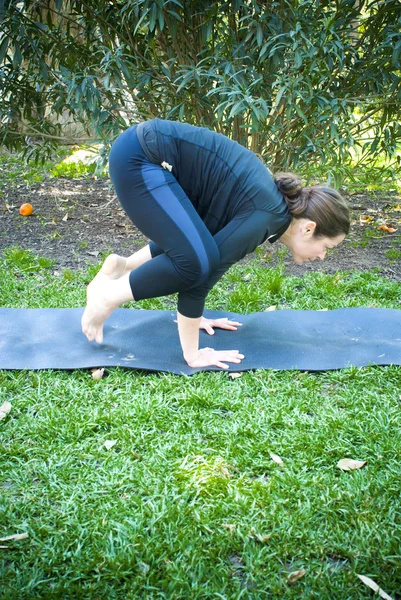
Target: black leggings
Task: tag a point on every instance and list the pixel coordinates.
(184, 251)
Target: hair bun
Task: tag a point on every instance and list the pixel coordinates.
(290, 185)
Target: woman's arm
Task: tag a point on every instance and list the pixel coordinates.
(188, 330)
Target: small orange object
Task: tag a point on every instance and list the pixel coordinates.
(26, 209)
(388, 229)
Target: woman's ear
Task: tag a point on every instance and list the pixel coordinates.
(308, 228)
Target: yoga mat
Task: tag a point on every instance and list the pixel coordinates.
(148, 339)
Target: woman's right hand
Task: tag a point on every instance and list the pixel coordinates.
(207, 357)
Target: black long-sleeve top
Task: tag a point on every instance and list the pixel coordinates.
(231, 189)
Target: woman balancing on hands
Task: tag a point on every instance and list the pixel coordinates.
(205, 202)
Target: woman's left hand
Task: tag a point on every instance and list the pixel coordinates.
(208, 324)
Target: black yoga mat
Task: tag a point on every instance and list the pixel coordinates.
(148, 339)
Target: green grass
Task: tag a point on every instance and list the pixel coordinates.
(181, 506)
(15, 171)
(394, 253)
(73, 170)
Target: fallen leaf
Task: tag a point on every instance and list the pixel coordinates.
(397, 208)
(144, 568)
(388, 229)
(293, 577)
(257, 536)
(235, 375)
(65, 218)
(271, 308)
(16, 536)
(230, 526)
(348, 464)
(366, 219)
(97, 373)
(373, 586)
(4, 409)
(109, 444)
(267, 255)
(276, 459)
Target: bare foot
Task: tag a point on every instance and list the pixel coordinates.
(103, 295)
(114, 266)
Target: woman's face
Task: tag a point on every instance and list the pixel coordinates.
(302, 243)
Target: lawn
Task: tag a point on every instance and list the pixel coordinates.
(188, 503)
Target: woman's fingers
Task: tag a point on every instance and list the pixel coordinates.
(232, 356)
(219, 358)
(226, 324)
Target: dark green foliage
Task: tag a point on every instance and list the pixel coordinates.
(290, 79)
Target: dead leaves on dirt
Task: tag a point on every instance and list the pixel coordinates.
(376, 220)
(386, 228)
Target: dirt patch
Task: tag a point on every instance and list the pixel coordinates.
(75, 220)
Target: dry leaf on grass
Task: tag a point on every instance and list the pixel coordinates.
(235, 375)
(4, 409)
(276, 458)
(109, 444)
(230, 526)
(143, 567)
(373, 586)
(348, 464)
(293, 577)
(259, 537)
(16, 536)
(97, 374)
(271, 308)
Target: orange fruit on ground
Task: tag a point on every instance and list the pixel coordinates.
(26, 209)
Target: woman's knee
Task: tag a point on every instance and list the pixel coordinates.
(196, 267)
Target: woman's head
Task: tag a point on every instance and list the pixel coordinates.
(321, 218)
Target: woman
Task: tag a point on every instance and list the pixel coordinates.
(205, 202)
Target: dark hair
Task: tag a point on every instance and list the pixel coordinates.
(319, 203)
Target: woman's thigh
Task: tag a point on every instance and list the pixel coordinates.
(160, 209)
